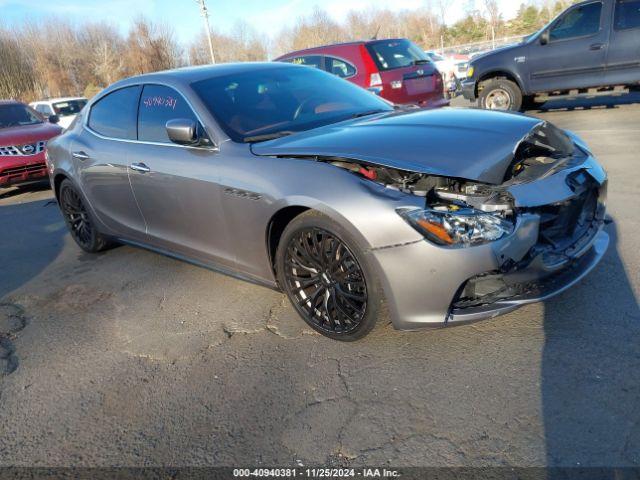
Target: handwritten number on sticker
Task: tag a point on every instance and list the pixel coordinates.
(160, 102)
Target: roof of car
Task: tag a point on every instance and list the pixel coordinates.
(186, 75)
(10, 102)
(343, 44)
(59, 99)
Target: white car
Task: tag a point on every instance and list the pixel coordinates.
(449, 65)
(66, 108)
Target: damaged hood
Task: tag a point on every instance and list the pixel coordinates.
(471, 144)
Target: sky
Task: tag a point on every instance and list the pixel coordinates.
(267, 16)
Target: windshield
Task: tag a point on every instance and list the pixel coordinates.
(390, 54)
(436, 57)
(69, 107)
(16, 115)
(283, 100)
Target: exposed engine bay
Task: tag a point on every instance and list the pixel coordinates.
(564, 228)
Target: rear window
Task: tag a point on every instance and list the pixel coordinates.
(69, 107)
(340, 68)
(115, 115)
(17, 115)
(627, 14)
(391, 54)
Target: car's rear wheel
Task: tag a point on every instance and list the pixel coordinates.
(327, 278)
(500, 94)
(78, 219)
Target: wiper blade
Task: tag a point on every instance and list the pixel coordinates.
(366, 114)
(267, 136)
(421, 62)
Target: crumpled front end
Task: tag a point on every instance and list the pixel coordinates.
(564, 241)
(555, 195)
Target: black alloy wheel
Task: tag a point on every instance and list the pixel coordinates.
(78, 219)
(325, 281)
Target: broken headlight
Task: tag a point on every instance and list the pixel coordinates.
(457, 227)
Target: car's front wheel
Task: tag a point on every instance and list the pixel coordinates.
(327, 277)
(78, 219)
(500, 94)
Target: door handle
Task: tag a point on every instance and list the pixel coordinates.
(139, 167)
(597, 46)
(80, 155)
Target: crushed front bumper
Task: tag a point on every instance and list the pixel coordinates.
(515, 295)
(431, 286)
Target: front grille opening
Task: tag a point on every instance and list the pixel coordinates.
(10, 172)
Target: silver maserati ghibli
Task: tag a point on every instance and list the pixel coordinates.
(298, 180)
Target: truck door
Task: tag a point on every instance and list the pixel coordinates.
(571, 53)
(623, 55)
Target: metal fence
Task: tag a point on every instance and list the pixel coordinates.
(476, 48)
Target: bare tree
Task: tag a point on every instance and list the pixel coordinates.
(150, 47)
(16, 74)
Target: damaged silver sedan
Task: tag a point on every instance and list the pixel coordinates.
(297, 180)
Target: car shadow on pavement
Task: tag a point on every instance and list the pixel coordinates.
(31, 237)
(590, 365)
(588, 103)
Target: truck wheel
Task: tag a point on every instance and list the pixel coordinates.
(500, 94)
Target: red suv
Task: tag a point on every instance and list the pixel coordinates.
(396, 69)
(23, 138)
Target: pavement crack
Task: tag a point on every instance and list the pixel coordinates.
(12, 321)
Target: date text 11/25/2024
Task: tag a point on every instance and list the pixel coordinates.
(316, 473)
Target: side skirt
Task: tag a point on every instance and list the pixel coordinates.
(213, 267)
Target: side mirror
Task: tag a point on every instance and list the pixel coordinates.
(54, 119)
(544, 38)
(182, 131)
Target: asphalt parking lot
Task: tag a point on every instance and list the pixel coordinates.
(131, 358)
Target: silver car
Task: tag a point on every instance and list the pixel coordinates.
(297, 180)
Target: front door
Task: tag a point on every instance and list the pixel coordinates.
(574, 55)
(623, 56)
(177, 187)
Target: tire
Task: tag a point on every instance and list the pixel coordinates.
(80, 223)
(328, 278)
(500, 94)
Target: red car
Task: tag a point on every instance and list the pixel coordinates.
(396, 69)
(23, 138)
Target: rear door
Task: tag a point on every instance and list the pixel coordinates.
(407, 73)
(101, 154)
(623, 56)
(575, 55)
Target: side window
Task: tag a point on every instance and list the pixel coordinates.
(114, 115)
(314, 61)
(340, 68)
(627, 14)
(158, 105)
(578, 22)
